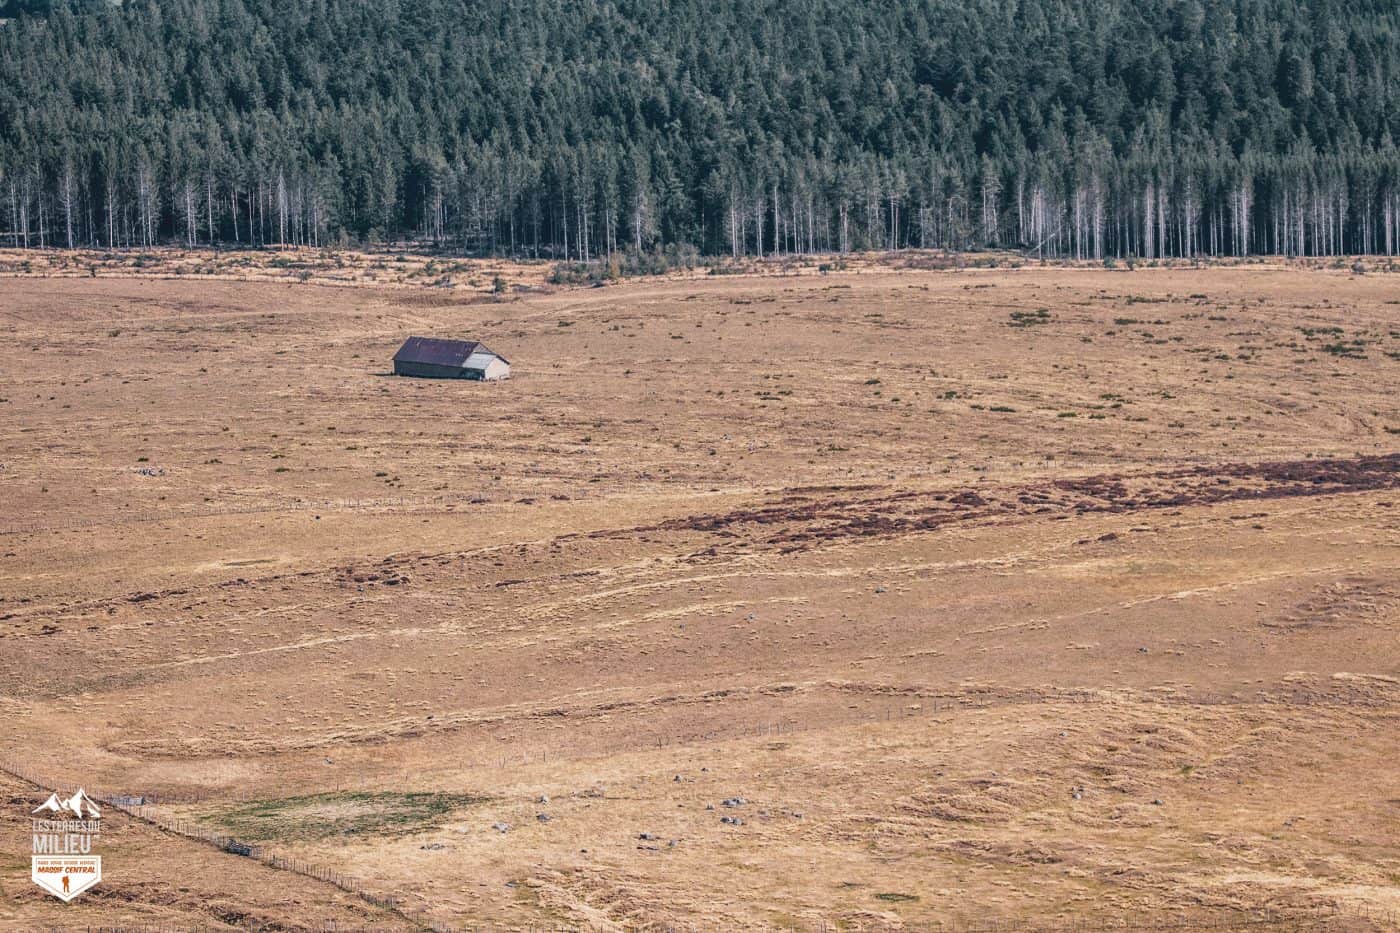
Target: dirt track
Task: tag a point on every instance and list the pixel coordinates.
(987, 614)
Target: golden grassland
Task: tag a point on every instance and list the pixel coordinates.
(912, 591)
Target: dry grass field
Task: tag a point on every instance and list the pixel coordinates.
(890, 597)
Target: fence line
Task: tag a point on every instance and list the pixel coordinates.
(191, 830)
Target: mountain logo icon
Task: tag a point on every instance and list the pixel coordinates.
(80, 805)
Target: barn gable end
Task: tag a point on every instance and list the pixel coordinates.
(438, 358)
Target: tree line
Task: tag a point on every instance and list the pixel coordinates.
(579, 129)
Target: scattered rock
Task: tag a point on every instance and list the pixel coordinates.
(501, 827)
(543, 817)
(733, 802)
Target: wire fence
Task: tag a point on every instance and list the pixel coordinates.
(135, 806)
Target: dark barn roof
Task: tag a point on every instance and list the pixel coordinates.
(436, 351)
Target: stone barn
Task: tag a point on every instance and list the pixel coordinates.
(435, 358)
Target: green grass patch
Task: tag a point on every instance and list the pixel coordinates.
(323, 816)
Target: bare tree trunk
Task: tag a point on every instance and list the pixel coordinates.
(209, 204)
(143, 200)
(758, 211)
(14, 213)
(111, 186)
(1021, 210)
(1388, 220)
(733, 225)
(66, 193)
(39, 209)
(1162, 244)
(281, 209)
(777, 223)
(1149, 223)
(187, 194)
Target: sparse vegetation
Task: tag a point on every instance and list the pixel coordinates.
(1030, 318)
